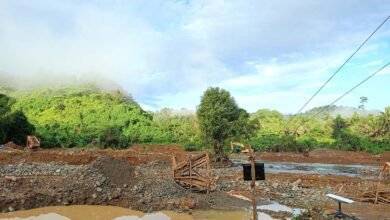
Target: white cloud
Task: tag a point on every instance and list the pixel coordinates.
(167, 52)
(385, 71)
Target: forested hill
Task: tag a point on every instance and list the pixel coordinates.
(88, 116)
(78, 116)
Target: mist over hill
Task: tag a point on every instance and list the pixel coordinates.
(16, 85)
(11, 82)
(343, 111)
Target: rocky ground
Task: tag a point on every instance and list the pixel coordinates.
(140, 178)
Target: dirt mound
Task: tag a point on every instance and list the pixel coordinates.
(160, 148)
(323, 152)
(117, 171)
(12, 146)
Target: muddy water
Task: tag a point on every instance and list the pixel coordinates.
(83, 212)
(363, 171)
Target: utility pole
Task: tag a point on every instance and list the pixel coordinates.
(253, 185)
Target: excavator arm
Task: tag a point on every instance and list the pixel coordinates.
(237, 147)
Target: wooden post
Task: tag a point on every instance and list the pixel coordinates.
(377, 188)
(173, 165)
(253, 185)
(208, 172)
(191, 173)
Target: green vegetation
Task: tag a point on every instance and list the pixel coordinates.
(220, 118)
(14, 126)
(78, 117)
(87, 116)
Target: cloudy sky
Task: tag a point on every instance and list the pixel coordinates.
(268, 54)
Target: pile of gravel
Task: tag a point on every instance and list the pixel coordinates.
(117, 171)
(51, 169)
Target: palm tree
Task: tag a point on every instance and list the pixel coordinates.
(371, 126)
(384, 120)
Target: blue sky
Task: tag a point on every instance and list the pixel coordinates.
(268, 54)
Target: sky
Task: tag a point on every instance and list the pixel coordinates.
(166, 53)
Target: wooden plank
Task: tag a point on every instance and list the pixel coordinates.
(194, 173)
(196, 183)
(186, 163)
(208, 172)
(196, 157)
(191, 173)
(194, 165)
(191, 177)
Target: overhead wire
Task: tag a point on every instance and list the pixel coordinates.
(346, 93)
(338, 70)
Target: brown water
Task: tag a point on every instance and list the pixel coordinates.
(85, 212)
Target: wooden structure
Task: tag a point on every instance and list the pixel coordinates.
(194, 173)
(32, 142)
(380, 194)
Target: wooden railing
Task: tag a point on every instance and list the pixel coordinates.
(194, 173)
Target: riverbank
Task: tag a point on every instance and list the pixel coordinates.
(140, 178)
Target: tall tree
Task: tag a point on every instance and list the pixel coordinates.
(5, 104)
(339, 126)
(384, 120)
(17, 127)
(5, 107)
(363, 101)
(220, 118)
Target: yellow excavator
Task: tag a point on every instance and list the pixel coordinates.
(237, 147)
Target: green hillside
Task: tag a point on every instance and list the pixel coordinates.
(78, 116)
(88, 116)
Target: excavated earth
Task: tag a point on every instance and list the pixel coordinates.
(140, 178)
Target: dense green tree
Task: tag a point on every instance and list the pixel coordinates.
(14, 126)
(220, 118)
(339, 126)
(5, 107)
(17, 127)
(270, 121)
(5, 104)
(384, 120)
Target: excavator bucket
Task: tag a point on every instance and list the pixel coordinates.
(32, 142)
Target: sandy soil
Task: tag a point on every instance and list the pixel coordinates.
(135, 155)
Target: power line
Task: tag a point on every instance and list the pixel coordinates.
(346, 93)
(334, 74)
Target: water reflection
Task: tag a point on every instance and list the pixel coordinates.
(83, 212)
(156, 216)
(363, 171)
(276, 207)
(49, 216)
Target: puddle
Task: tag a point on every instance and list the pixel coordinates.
(222, 214)
(48, 216)
(263, 216)
(276, 207)
(317, 168)
(82, 212)
(156, 216)
(55, 216)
